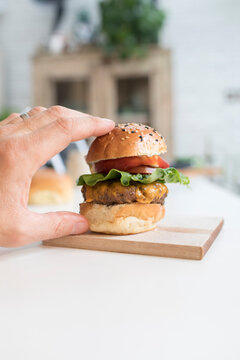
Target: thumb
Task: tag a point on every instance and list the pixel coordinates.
(54, 225)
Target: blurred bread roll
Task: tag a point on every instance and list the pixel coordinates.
(49, 187)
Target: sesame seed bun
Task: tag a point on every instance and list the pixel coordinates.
(127, 140)
(122, 219)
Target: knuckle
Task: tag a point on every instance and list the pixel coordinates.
(59, 229)
(57, 110)
(65, 125)
(60, 226)
(95, 121)
(37, 109)
(14, 115)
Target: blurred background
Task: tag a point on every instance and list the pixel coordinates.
(170, 64)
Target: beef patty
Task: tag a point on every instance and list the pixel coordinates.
(112, 192)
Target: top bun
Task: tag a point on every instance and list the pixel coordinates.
(127, 140)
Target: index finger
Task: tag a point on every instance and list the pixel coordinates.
(49, 140)
(9, 119)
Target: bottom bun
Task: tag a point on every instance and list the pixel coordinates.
(122, 219)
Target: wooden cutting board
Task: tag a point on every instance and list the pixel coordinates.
(181, 237)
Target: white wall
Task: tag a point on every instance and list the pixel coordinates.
(23, 26)
(204, 38)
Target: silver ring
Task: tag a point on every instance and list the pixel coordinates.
(25, 116)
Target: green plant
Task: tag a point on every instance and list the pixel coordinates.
(130, 26)
(4, 113)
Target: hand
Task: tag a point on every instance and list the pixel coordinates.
(26, 145)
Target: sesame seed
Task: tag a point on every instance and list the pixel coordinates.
(141, 137)
(156, 140)
(132, 132)
(151, 134)
(154, 130)
(127, 137)
(122, 138)
(161, 137)
(126, 125)
(123, 129)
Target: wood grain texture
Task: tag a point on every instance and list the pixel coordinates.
(180, 237)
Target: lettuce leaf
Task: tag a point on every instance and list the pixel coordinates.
(169, 175)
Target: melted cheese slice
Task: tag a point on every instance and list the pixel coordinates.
(142, 193)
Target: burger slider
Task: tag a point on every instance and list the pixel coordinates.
(126, 191)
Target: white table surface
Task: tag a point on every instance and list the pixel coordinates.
(76, 304)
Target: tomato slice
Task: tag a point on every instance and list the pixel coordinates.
(142, 170)
(127, 163)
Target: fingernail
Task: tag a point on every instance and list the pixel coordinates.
(79, 228)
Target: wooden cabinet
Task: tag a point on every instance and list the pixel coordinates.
(134, 90)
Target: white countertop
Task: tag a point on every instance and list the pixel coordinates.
(75, 304)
